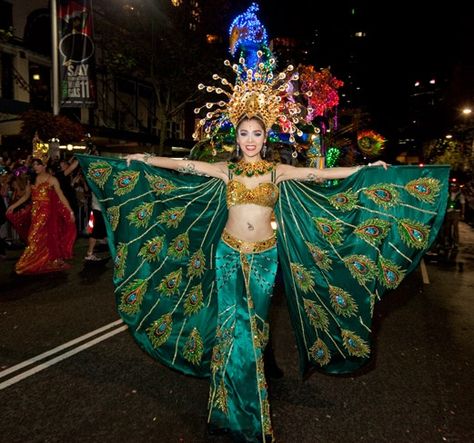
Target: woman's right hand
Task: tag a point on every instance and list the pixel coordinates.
(11, 209)
(138, 157)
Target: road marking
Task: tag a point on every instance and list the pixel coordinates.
(59, 358)
(424, 272)
(59, 348)
(68, 344)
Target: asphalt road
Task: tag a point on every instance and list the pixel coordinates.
(99, 387)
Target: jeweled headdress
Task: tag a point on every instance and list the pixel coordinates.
(256, 93)
(40, 149)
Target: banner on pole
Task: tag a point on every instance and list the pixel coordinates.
(76, 54)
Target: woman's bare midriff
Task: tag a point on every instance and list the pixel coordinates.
(250, 222)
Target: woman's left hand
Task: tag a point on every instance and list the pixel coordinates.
(379, 163)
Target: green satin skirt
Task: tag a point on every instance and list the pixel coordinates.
(238, 399)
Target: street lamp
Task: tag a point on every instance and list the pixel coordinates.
(468, 129)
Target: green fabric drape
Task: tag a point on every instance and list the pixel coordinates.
(179, 288)
(162, 229)
(238, 399)
(341, 248)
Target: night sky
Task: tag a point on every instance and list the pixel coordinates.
(406, 41)
(419, 34)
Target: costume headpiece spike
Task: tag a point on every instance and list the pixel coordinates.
(40, 149)
(256, 93)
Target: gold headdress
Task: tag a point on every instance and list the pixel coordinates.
(256, 93)
(40, 149)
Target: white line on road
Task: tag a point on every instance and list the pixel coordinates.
(59, 358)
(59, 348)
(424, 272)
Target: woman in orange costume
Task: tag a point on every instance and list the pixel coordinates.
(52, 232)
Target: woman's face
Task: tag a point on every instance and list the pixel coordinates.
(38, 167)
(251, 137)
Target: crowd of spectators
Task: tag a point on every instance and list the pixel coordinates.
(16, 172)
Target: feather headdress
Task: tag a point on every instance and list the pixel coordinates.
(256, 93)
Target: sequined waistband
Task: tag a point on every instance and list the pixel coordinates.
(248, 247)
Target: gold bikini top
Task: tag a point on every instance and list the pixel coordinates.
(265, 194)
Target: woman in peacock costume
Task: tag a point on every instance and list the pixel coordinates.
(195, 255)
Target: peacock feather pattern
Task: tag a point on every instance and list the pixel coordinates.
(170, 283)
(302, 277)
(160, 330)
(179, 246)
(160, 185)
(390, 274)
(197, 264)
(330, 230)
(340, 248)
(385, 195)
(194, 347)
(125, 182)
(316, 314)
(361, 267)
(150, 251)
(373, 230)
(120, 260)
(342, 302)
(354, 344)
(141, 215)
(132, 296)
(172, 217)
(424, 189)
(217, 358)
(370, 234)
(344, 201)
(113, 214)
(194, 300)
(321, 258)
(99, 172)
(413, 233)
(221, 397)
(320, 353)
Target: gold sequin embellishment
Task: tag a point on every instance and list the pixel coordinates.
(265, 194)
(248, 247)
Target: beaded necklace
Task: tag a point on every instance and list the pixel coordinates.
(260, 167)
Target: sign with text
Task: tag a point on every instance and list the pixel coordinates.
(76, 54)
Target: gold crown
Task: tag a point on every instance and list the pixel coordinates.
(256, 93)
(40, 149)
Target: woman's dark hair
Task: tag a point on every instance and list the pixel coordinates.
(37, 160)
(47, 165)
(269, 151)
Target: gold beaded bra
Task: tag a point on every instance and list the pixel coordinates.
(265, 194)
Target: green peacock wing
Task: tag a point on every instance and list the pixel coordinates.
(163, 228)
(342, 247)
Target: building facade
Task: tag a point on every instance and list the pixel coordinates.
(128, 115)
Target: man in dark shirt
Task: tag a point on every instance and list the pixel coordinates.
(63, 174)
(454, 213)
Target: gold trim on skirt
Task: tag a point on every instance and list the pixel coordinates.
(248, 247)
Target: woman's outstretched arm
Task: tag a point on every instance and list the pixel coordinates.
(218, 170)
(287, 172)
